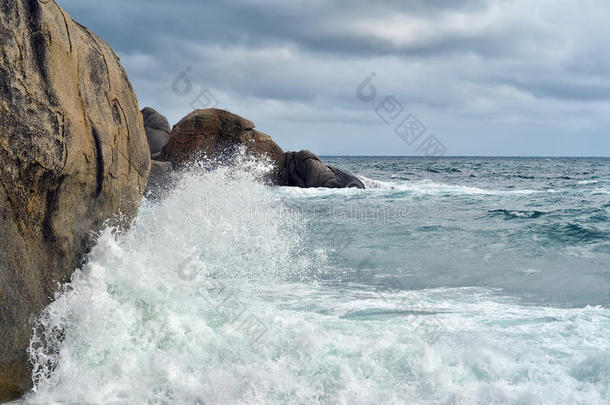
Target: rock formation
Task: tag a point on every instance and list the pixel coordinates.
(215, 133)
(157, 130)
(73, 153)
(304, 169)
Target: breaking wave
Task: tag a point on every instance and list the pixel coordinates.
(219, 293)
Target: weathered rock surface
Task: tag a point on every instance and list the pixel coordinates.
(217, 134)
(157, 130)
(73, 152)
(304, 169)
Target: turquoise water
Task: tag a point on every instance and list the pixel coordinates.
(538, 229)
(446, 281)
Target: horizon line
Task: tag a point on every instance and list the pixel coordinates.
(477, 156)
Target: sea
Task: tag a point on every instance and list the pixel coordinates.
(446, 281)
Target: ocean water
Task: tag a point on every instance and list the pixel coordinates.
(446, 281)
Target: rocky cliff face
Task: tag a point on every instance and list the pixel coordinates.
(73, 153)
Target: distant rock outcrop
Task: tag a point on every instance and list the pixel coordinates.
(157, 130)
(304, 169)
(73, 153)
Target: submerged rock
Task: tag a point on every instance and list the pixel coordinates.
(157, 130)
(73, 153)
(304, 169)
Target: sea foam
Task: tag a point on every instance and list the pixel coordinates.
(205, 300)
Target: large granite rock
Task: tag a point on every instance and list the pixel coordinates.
(73, 153)
(217, 134)
(157, 130)
(304, 169)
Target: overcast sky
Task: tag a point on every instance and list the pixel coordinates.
(503, 77)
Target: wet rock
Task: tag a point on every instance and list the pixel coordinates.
(218, 134)
(305, 169)
(73, 153)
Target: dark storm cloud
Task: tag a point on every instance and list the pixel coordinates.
(501, 60)
(319, 26)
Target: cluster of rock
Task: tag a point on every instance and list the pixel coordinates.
(218, 134)
(75, 152)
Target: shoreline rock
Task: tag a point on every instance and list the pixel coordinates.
(157, 130)
(73, 154)
(304, 169)
(217, 134)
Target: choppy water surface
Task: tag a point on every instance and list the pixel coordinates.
(447, 281)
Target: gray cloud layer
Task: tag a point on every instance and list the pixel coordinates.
(504, 77)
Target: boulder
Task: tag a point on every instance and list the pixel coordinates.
(217, 134)
(73, 153)
(304, 169)
(157, 130)
(346, 179)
